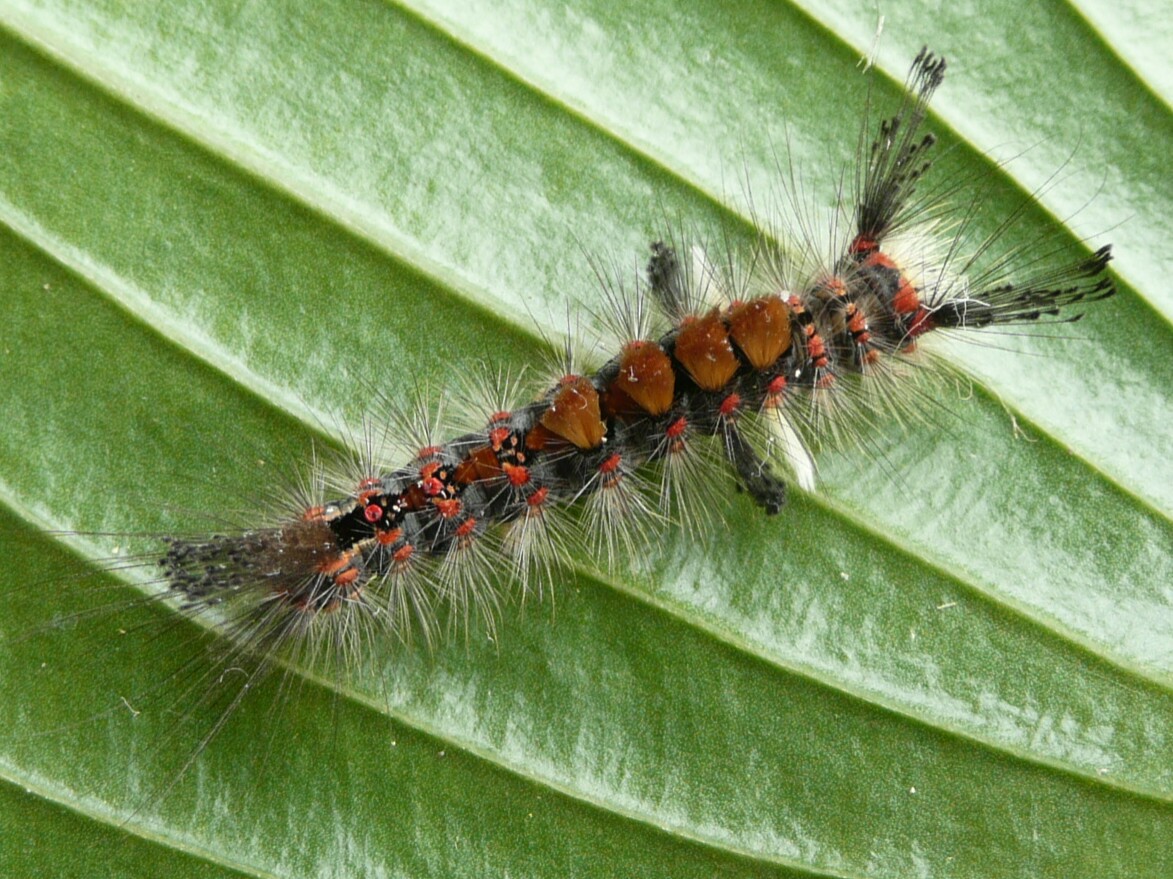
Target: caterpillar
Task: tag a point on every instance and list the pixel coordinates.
(759, 375)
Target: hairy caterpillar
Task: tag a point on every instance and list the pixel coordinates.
(724, 480)
(439, 529)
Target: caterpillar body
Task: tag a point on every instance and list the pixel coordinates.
(759, 375)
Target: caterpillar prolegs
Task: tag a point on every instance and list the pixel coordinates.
(746, 358)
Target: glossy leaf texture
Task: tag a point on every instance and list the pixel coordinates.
(224, 226)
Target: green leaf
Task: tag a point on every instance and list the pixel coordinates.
(224, 225)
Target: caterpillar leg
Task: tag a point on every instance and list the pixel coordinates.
(767, 490)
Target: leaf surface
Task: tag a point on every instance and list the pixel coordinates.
(224, 227)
